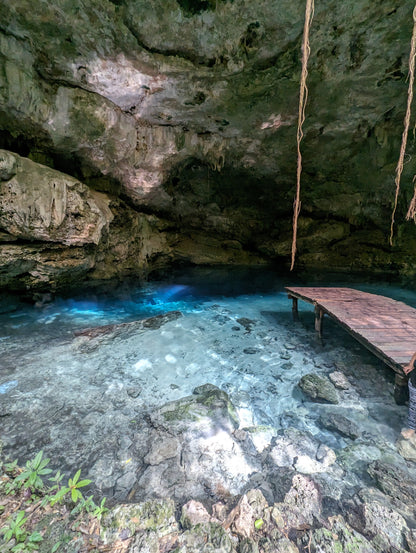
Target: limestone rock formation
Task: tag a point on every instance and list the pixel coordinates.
(184, 113)
(318, 388)
(38, 203)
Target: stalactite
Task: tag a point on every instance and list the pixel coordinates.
(399, 169)
(303, 97)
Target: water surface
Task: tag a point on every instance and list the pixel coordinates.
(81, 404)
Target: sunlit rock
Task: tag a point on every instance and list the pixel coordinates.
(190, 449)
(209, 535)
(194, 513)
(407, 447)
(40, 204)
(158, 516)
(377, 518)
(250, 508)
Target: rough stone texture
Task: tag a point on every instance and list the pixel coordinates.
(300, 450)
(407, 447)
(396, 482)
(194, 513)
(341, 424)
(89, 339)
(382, 523)
(38, 203)
(187, 110)
(340, 537)
(250, 508)
(209, 537)
(190, 450)
(318, 388)
(339, 380)
(374, 524)
(156, 516)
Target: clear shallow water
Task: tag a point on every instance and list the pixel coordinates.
(80, 404)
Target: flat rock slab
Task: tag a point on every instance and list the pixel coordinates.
(151, 323)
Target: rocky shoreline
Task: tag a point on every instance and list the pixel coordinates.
(300, 494)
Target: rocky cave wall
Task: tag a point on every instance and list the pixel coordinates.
(137, 133)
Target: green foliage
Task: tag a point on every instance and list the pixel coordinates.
(31, 544)
(11, 467)
(31, 475)
(100, 510)
(14, 529)
(16, 535)
(258, 523)
(74, 484)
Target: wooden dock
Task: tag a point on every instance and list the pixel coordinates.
(384, 326)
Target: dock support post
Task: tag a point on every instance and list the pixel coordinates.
(319, 317)
(401, 390)
(295, 313)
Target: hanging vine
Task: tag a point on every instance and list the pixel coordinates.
(411, 214)
(303, 97)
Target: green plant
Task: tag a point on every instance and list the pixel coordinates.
(60, 491)
(11, 467)
(258, 523)
(86, 505)
(100, 510)
(74, 484)
(15, 528)
(30, 544)
(30, 477)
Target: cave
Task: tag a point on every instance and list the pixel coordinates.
(167, 169)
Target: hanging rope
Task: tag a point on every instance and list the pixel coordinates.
(303, 97)
(399, 169)
(411, 213)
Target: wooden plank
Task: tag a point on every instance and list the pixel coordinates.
(384, 326)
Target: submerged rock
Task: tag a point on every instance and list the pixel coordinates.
(318, 388)
(339, 380)
(90, 338)
(192, 450)
(341, 424)
(150, 323)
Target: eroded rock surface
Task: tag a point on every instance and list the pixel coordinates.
(187, 110)
(41, 204)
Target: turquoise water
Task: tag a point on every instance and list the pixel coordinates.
(75, 398)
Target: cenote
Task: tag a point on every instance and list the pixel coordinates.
(167, 168)
(121, 405)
